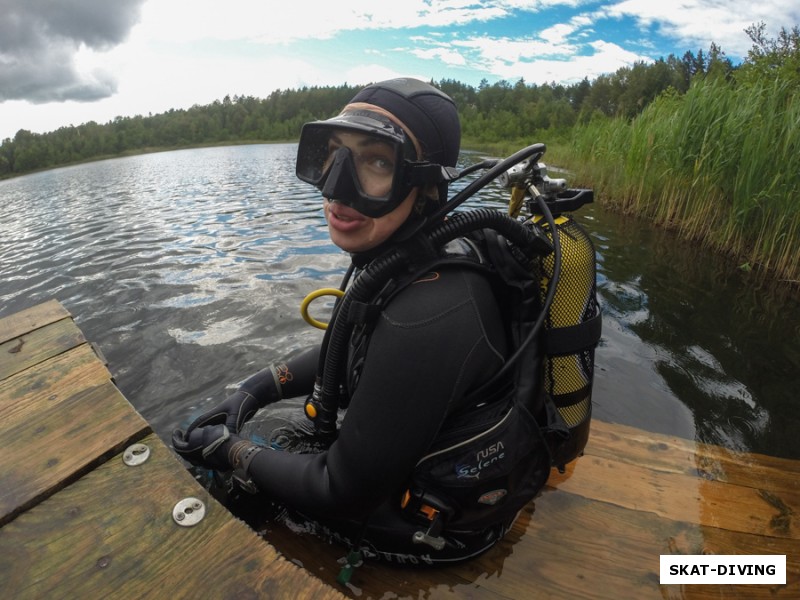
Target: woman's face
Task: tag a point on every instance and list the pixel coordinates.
(354, 232)
(374, 161)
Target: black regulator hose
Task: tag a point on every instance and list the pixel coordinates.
(336, 305)
(324, 403)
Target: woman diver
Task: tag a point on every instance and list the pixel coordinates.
(417, 369)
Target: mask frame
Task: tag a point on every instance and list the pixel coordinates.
(335, 173)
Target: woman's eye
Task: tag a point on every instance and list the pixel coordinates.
(381, 161)
(384, 164)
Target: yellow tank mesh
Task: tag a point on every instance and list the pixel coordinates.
(575, 414)
(568, 378)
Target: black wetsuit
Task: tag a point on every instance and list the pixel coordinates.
(439, 338)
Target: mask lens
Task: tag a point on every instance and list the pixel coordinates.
(312, 154)
(374, 161)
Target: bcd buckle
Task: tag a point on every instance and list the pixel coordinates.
(426, 508)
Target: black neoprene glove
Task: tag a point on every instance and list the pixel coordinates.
(269, 385)
(256, 392)
(205, 446)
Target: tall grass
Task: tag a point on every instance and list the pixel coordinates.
(721, 164)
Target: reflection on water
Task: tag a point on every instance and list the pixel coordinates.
(187, 268)
(715, 351)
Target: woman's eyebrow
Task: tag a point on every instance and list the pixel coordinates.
(371, 141)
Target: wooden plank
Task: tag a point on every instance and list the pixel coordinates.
(38, 345)
(570, 547)
(676, 455)
(30, 319)
(61, 418)
(371, 580)
(104, 537)
(682, 498)
(75, 369)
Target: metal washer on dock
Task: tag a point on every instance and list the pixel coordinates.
(136, 454)
(188, 512)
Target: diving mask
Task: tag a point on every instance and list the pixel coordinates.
(363, 160)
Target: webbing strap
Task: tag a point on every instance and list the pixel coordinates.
(574, 338)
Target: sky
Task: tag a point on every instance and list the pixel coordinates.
(67, 62)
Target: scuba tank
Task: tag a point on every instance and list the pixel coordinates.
(572, 325)
(572, 330)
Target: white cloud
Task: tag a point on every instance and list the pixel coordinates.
(501, 55)
(265, 23)
(696, 23)
(447, 56)
(557, 34)
(362, 74)
(606, 58)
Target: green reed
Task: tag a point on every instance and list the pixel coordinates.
(721, 164)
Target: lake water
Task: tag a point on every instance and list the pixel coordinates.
(187, 268)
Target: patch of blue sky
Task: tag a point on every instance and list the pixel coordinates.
(635, 35)
(469, 52)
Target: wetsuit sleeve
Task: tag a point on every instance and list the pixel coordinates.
(438, 339)
(297, 374)
(287, 379)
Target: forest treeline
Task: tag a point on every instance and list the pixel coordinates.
(692, 142)
(488, 113)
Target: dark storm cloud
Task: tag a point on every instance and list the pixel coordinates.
(39, 39)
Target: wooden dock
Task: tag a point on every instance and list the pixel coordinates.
(598, 530)
(77, 522)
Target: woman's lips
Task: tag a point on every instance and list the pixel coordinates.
(343, 218)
